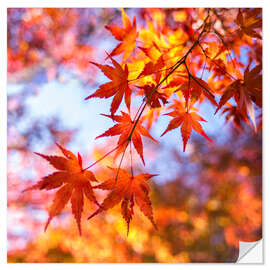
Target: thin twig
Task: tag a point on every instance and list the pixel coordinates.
(131, 166)
(208, 57)
(103, 157)
(119, 166)
(187, 107)
(149, 96)
(205, 89)
(204, 66)
(176, 65)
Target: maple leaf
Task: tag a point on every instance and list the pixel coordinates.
(176, 82)
(73, 180)
(118, 87)
(219, 68)
(230, 91)
(130, 190)
(194, 88)
(187, 121)
(249, 22)
(157, 98)
(151, 116)
(253, 84)
(123, 128)
(214, 49)
(127, 35)
(177, 106)
(244, 92)
(153, 68)
(234, 114)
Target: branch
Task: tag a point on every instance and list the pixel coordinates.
(204, 52)
(175, 66)
(149, 96)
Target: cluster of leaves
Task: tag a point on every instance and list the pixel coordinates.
(75, 183)
(165, 70)
(196, 222)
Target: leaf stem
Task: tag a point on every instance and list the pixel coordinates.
(148, 97)
(207, 57)
(103, 156)
(187, 101)
(131, 166)
(119, 166)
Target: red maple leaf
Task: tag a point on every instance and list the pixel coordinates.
(249, 21)
(153, 67)
(130, 190)
(188, 121)
(127, 35)
(157, 98)
(234, 114)
(73, 180)
(123, 128)
(244, 91)
(118, 87)
(193, 90)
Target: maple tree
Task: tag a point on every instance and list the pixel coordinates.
(164, 62)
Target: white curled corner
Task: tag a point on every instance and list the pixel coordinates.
(250, 252)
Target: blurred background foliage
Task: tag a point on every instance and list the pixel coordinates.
(204, 201)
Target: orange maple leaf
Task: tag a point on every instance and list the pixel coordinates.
(153, 51)
(123, 128)
(157, 98)
(151, 116)
(193, 90)
(234, 114)
(250, 21)
(127, 35)
(244, 91)
(73, 180)
(130, 190)
(189, 121)
(118, 87)
(154, 68)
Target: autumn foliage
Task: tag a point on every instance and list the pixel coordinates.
(187, 64)
(74, 183)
